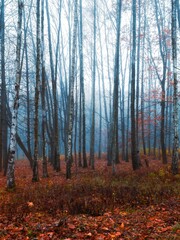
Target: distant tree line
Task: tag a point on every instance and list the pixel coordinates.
(82, 78)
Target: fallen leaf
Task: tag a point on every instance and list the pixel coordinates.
(71, 226)
(122, 225)
(89, 234)
(30, 204)
(105, 229)
(123, 213)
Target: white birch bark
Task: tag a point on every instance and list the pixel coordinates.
(71, 97)
(12, 144)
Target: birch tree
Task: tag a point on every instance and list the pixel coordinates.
(71, 96)
(12, 144)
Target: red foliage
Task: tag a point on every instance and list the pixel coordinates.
(93, 205)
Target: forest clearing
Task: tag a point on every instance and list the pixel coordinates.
(94, 204)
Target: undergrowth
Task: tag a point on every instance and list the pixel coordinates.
(94, 194)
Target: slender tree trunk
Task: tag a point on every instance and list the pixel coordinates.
(92, 140)
(43, 99)
(4, 126)
(142, 86)
(27, 90)
(100, 117)
(76, 123)
(12, 144)
(55, 144)
(163, 52)
(155, 127)
(55, 94)
(109, 160)
(170, 123)
(138, 74)
(71, 97)
(35, 177)
(149, 112)
(82, 90)
(114, 123)
(1, 32)
(175, 156)
(122, 106)
(80, 129)
(134, 152)
(128, 121)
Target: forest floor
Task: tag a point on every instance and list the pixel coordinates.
(92, 205)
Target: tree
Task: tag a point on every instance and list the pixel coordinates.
(71, 97)
(163, 53)
(114, 119)
(27, 89)
(142, 84)
(175, 156)
(3, 107)
(55, 145)
(134, 151)
(43, 96)
(37, 90)
(92, 140)
(82, 89)
(12, 144)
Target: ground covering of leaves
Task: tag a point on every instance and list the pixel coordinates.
(93, 204)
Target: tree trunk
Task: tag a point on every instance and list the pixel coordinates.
(4, 127)
(134, 152)
(114, 123)
(12, 144)
(175, 156)
(43, 99)
(71, 97)
(138, 74)
(82, 90)
(92, 139)
(142, 85)
(55, 144)
(163, 52)
(35, 177)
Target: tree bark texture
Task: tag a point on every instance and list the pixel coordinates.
(92, 139)
(71, 97)
(134, 153)
(175, 156)
(37, 90)
(43, 99)
(12, 144)
(114, 124)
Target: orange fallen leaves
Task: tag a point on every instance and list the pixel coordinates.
(30, 204)
(153, 221)
(122, 225)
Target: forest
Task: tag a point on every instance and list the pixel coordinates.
(89, 119)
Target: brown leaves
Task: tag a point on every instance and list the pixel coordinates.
(30, 204)
(93, 205)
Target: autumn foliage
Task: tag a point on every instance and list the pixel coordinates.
(93, 205)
